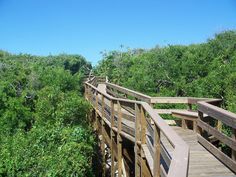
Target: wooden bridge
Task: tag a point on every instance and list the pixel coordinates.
(136, 141)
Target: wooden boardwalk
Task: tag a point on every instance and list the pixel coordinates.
(201, 162)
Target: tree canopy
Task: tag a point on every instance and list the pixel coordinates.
(200, 70)
(44, 128)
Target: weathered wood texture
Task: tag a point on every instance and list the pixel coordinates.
(208, 130)
(180, 147)
(160, 150)
(201, 161)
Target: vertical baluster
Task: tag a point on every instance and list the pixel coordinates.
(85, 91)
(96, 104)
(219, 125)
(119, 139)
(137, 139)
(143, 126)
(89, 94)
(219, 128)
(200, 117)
(106, 80)
(102, 140)
(183, 122)
(195, 126)
(112, 140)
(96, 111)
(234, 138)
(189, 106)
(157, 152)
(143, 139)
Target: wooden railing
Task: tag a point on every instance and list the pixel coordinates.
(122, 92)
(210, 123)
(147, 134)
(187, 116)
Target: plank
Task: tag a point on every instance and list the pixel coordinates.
(168, 111)
(223, 138)
(220, 155)
(129, 92)
(226, 117)
(169, 100)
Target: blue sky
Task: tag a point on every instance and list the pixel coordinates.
(87, 27)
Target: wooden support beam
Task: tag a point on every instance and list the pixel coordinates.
(96, 109)
(102, 140)
(157, 152)
(112, 134)
(200, 117)
(85, 90)
(123, 168)
(143, 124)
(119, 139)
(90, 94)
(189, 106)
(234, 138)
(183, 122)
(137, 139)
(219, 125)
(195, 126)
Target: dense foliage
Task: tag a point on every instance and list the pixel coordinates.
(44, 129)
(199, 70)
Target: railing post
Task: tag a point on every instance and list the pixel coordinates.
(233, 151)
(96, 109)
(143, 126)
(219, 125)
(183, 123)
(157, 152)
(89, 93)
(143, 139)
(96, 103)
(137, 139)
(102, 139)
(119, 139)
(189, 106)
(112, 134)
(200, 117)
(106, 79)
(85, 90)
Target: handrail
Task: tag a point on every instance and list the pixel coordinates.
(207, 107)
(221, 116)
(225, 116)
(130, 92)
(153, 100)
(180, 158)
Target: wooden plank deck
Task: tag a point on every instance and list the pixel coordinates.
(201, 163)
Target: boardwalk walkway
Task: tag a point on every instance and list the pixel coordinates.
(201, 162)
(144, 136)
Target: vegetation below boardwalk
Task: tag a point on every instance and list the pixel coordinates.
(44, 129)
